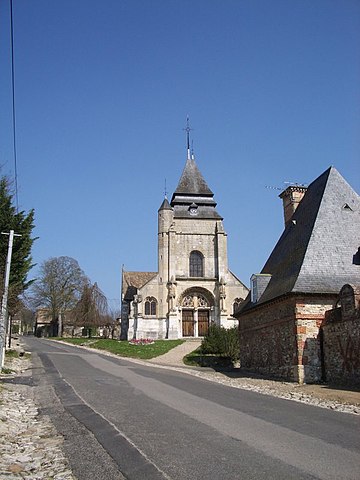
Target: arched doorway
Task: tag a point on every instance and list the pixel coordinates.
(195, 312)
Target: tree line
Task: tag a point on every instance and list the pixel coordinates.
(67, 295)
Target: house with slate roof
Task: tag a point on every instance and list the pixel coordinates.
(280, 320)
(193, 286)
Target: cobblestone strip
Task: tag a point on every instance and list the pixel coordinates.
(30, 447)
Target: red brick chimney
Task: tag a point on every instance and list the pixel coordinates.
(291, 198)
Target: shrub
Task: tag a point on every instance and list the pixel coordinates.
(223, 342)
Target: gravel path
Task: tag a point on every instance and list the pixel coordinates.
(30, 447)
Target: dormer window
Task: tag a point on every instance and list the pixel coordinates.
(347, 207)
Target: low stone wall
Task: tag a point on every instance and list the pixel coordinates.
(153, 328)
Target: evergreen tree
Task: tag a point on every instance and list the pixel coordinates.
(92, 308)
(21, 262)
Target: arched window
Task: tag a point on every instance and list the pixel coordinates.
(236, 304)
(196, 264)
(150, 306)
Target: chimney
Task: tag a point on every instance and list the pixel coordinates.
(291, 198)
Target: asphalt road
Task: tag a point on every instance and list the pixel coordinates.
(125, 420)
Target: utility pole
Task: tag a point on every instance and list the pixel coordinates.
(4, 304)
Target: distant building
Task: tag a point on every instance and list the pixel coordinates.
(193, 286)
(317, 254)
(66, 325)
(44, 326)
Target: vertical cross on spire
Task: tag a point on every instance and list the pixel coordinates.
(187, 130)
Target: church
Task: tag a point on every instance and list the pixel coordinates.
(193, 287)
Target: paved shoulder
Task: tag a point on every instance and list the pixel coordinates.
(175, 356)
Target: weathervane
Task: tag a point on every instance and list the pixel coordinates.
(187, 130)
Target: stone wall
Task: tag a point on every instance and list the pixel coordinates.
(267, 340)
(341, 339)
(281, 338)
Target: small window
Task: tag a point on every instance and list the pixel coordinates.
(196, 264)
(150, 306)
(236, 304)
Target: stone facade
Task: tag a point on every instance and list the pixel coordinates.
(341, 339)
(193, 286)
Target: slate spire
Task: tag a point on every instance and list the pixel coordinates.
(165, 205)
(191, 181)
(192, 196)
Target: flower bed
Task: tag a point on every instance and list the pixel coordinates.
(141, 341)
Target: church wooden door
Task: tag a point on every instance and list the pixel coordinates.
(203, 319)
(188, 323)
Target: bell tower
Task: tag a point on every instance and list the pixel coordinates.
(165, 219)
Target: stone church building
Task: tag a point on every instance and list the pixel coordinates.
(193, 286)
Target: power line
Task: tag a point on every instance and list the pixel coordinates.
(13, 104)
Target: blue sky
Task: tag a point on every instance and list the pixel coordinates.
(103, 89)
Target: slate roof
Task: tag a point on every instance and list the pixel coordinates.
(318, 249)
(165, 205)
(192, 190)
(132, 281)
(191, 181)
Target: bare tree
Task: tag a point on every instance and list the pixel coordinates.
(58, 287)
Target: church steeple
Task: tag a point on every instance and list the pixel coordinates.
(192, 195)
(191, 181)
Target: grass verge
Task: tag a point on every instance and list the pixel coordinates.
(199, 359)
(7, 371)
(124, 349)
(11, 353)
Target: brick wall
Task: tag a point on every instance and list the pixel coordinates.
(309, 315)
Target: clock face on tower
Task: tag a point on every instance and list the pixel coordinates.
(193, 210)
